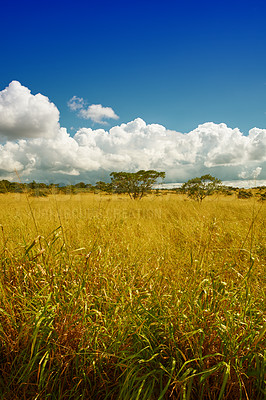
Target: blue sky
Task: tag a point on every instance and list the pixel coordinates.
(174, 63)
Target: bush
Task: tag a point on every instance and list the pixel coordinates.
(262, 196)
(244, 194)
(38, 193)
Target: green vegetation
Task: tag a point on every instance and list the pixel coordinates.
(105, 298)
(244, 194)
(135, 184)
(199, 188)
(41, 189)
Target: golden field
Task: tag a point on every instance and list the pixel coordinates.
(103, 297)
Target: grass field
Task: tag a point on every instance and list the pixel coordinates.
(103, 297)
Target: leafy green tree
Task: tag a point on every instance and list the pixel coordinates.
(103, 187)
(33, 185)
(199, 188)
(135, 184)
(80, 185)
(5, 186)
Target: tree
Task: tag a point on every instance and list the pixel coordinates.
(33, 185)
(199, 188)
(103, 187)
(135, 184)
(80, 185)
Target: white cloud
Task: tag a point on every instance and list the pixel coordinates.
(23, 115)
(75, 103)
(91, 154)
(256, 172)
(248, 174)
(8, 158)
(95, 112)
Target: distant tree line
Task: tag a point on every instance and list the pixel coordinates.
(136, 185)
(41, 188)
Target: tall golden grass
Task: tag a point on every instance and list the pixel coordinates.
(103, 297)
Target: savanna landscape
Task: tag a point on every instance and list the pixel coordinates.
(104, 297)
(132, 200)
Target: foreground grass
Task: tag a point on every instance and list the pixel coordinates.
(106, 298)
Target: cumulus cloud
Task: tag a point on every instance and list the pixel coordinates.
(95, 112)
(76, 103)
(248, 174)
(91, 154)
(24, 115)
(256, 172)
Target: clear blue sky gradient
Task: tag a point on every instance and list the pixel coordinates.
(176, 63)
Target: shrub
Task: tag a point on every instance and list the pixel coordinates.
(244, 194)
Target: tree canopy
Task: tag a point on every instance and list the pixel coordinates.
(135, 184)
(199, 188)
(103, 187)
